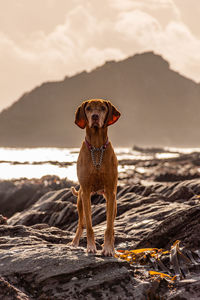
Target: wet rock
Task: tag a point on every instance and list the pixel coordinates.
(181, 193)
(179, 168)
(36, 258)
(140, 211)
(173, 176)
(183, 225)
(52, 209)
(41, 264)
(17, 195)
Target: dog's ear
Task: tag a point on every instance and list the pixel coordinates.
(113, 114)
(80, 117)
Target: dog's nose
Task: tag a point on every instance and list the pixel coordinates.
(95, 117)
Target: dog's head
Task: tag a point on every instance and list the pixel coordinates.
(96, 113)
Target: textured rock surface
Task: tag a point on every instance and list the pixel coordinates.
(42, 266)
(37, 261)
(157, 169)
(17, 195)
(143, 214)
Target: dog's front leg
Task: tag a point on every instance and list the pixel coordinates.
(80, 226)
(91, 247)
(111, 203)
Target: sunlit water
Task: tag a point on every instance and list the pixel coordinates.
(38, 162)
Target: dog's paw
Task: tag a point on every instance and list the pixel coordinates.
(108, 250)
(91, 248)
(74, 243)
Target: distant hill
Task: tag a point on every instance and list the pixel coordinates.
(159, 107)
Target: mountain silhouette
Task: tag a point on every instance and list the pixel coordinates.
(159, 107)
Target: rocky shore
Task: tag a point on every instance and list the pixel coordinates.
(158, 204)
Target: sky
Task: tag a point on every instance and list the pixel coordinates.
(47, 40)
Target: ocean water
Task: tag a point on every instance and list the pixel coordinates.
(16, 163)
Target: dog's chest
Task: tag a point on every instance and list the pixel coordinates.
(97, 182)
(94, 179)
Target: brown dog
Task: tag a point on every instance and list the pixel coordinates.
(96, 170)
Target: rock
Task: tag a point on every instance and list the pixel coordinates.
(41, 264)
(37, 262)
(52, 209)
(181, 193)
(183, 225)
(36, 258)
(179, 168)
(9, 292)
(166, 176)
(140, 211)
(15, 196)
(3, 220)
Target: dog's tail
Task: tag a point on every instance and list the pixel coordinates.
(74, 191)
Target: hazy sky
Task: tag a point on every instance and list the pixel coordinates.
(43, 40)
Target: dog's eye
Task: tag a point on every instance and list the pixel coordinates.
(88, 108)
(103, 108)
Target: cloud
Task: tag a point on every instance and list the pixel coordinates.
(181, 48)
(127, 5)
(175, 41)
(92, 34)
(71, 47)
(97, 57)
(162, 10)
(137, 25)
